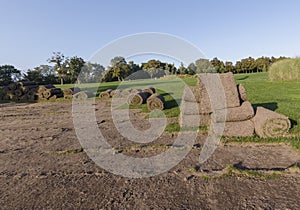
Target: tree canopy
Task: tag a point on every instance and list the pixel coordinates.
(8, 74)
(43, 74)
(76, 69)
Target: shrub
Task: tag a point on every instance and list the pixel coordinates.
(285, 70)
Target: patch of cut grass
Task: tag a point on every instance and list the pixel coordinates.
(69, 151)
(206, 178)
(231, 170)
(175, 127)
(172, 127)
(144, 147)
(294, 142)
(191, 169)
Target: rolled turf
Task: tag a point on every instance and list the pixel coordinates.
(188, 121)
(150, 90)
(228, 85)
(83, 95)
(242, 92)
(71, 91)
(235, 114)
(270, 124)
(191, 94)
(156, 101)
(237, 129)
(105, 94)
(138, 98)
(189, 108)
(48, 93)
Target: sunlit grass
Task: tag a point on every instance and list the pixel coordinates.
(281, 97)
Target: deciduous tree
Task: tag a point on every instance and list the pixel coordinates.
(8, 74)
(59, 65)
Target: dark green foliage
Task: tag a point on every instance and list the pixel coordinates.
(246, 65)
(67, 69)
(59, 65)
(192, 68)
(91, 72)
(77, 70)
(155, 68)
(218, 65)
(73, 68)
(8, 74)
(203, 66)
(42, 75)
(182, 69)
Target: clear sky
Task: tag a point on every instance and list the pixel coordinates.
(228, 29)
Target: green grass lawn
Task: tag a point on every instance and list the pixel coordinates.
(282, 97)
(171, 90)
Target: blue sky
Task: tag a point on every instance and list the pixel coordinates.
(228, 29)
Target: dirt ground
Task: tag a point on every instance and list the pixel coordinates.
(42, 165)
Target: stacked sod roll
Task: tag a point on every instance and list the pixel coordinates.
(269, 124)
(150, 90)
(49, 92)
(69, 92)
(29, 91)
(105, 94)
(83, 95)
(138, 98)
(235, 113)
(156, 101)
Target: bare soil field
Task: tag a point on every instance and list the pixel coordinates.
(42, 165)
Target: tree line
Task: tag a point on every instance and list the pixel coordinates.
(65, 70)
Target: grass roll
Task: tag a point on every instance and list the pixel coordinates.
(156, 101)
